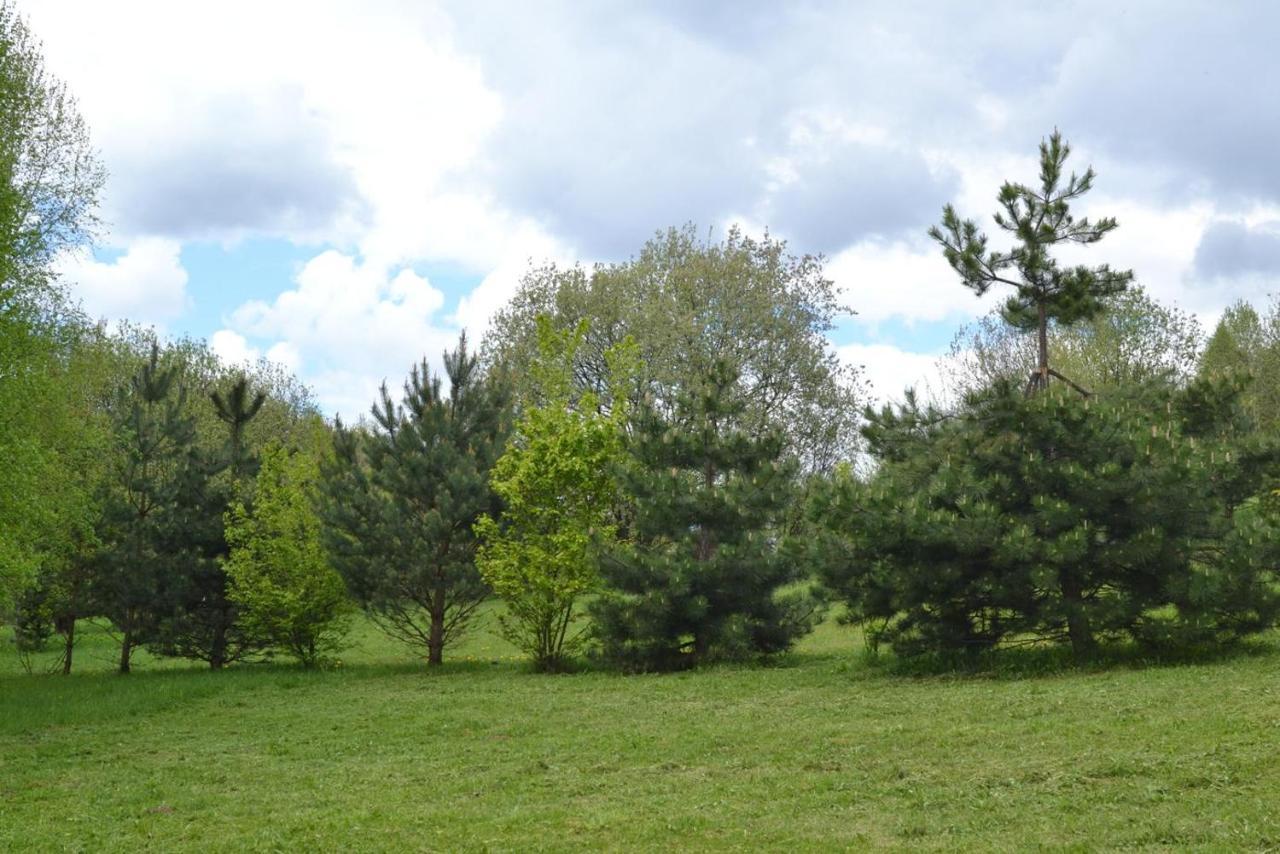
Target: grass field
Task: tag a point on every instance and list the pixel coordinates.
(821, 751)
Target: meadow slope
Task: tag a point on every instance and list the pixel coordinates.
(821, 750)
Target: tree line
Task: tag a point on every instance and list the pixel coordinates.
(656, 463)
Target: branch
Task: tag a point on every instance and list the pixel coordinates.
(1085, 392)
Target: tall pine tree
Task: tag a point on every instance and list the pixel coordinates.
(703, 575)
(204, 624)
(400, 500)
(1039, 219)
(136, 566)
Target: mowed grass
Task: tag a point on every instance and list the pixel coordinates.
(821, 750)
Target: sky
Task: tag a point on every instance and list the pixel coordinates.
(342, 187)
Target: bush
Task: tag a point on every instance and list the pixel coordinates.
(279, 573)
(1056, 518)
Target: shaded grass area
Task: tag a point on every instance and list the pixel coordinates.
(823, 749)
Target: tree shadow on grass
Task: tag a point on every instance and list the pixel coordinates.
(1041, 661)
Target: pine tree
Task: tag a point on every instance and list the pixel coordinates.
(236, 407)
(702, 575)
(1039, 220)
(400, 499)
(136, 567)
(1057, 518)
(204, 622)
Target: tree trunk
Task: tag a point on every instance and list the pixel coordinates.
(1078, 629)
(70, 636)
(126, 651)
(435, 643)
(1042, 340)
(701, 646)
(218, 649)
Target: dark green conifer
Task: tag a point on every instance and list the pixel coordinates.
(1057, 518)
(703, 574)
(137, 566)
(203, 623)
(1039, 220)
(400, 500)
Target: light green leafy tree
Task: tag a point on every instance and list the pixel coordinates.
(690, 302)
(49, 183)
(278, 571)
(557, 482)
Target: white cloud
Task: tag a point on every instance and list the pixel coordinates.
(396, 134)
(346, 326)
(147, 283)
(232, 348)
(891, 370)
(900, 280)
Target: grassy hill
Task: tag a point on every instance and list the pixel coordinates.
(822, 750)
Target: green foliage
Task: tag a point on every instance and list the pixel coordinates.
(702, 574)
(1039, 220)
(1053, 518)
(49, 181)
(1247, 344)
(279, 575)
(557, 483)
(49, 174)
(689, 303)
(399, 501)
(136, 568)
(203, 622)
(1134, 342)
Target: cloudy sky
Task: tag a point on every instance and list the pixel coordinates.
(342, 186)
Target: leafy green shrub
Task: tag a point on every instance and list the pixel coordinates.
(279, 574)
(557, 482)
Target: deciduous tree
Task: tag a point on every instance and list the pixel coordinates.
(279, 574)
(557, 481)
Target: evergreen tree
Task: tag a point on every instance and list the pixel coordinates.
(137, 565)
(1056, 518)
(204, 623)
(702, 575)
(1039, 220)
(399, 501)
(236, 407)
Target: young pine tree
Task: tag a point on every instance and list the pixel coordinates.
(702, 575)
(204, 624)
(1039, 219)
(399, 502)
(136, 566)
(1056, 518)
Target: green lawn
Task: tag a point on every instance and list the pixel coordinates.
(818, 752)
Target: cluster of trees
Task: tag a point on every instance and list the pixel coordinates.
(1126, 499)
(649, 461)
(166, 500)
(622, 464)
